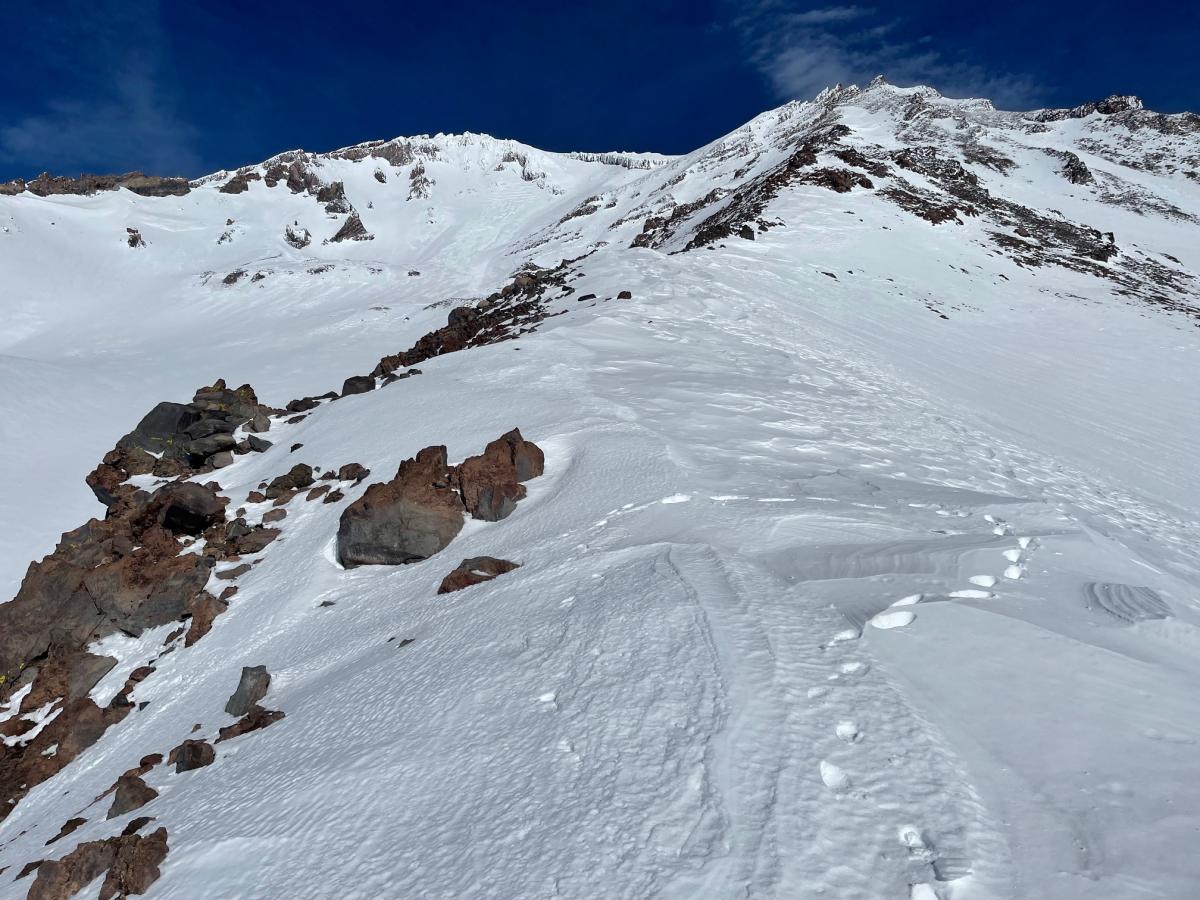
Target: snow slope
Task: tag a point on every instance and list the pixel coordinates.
(864, 565)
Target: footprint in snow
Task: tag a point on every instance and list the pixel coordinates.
(848, 731)
(835, 777)
(894, 619)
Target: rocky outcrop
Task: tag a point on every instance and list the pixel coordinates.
(251, 688)
(12, 188)
(475, 571)
(503, 315)
(404, 520)
(131, 862)
(352, 230)
(147, 185)
(239, 183)
(419, 512)
(491, 483)
(133, 238)
(297, 237)
(177, 439)
(334, 197)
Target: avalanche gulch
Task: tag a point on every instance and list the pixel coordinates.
(814, 514)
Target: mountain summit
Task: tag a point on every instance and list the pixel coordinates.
(814, 514)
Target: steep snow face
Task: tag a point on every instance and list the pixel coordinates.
(864, 565)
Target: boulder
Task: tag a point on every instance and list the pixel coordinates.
(130, 793)
(251, 688)
(257, 444)
(475, 571)
(358, 384)
(192, 754)
(300, 476)
(355, 472)
(409, 518)
(491, 482)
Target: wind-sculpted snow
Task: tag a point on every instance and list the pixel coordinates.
(865, 562)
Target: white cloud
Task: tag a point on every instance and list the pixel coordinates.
(802, 52)
(120, 115)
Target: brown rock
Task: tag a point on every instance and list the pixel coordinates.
(491, 483)
(191, 754)
(274, 515)
(255, 718)
(130, 793)
(334, 496)
(355, 472)
(409, 518)
(317, 492)
(299, 477)
(67, 827)
(475, 571)
(203, 609)
(131, 862)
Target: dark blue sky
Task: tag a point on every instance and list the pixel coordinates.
(191, 87)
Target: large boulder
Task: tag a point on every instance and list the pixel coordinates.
(491, 482)
(251, 688)
(404, 520)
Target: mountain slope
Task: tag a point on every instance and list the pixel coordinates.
(864, 561)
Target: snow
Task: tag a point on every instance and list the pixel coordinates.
(746, 464)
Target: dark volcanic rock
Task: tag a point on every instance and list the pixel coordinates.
(192, 754)
(334, 198)
(146, 185)
(254, 719)
(299, 477)
(352, 230)
(358, 384)
(251, 688)
(130, 793)
(68, 827)
(409, 518)
(239, 183)
(355, 472)
(475, 571)
(131, 862)
(491, 483)
(298, 238)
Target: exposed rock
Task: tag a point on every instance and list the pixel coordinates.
(334, 496)
(358, 384)
(146, 185)
(299, 477)
(235, 572)
(625, 295)
(409, 518)
(134, 238)
(334, 198)
(254, 719)
(257, 444)
(191, 754)
(131, 862)
(352, 230)
(274, 515)
(475, 571)
(316, 493)
(257, 424)
(239, 183)
(12, 188)
(68, 827)
(130, 793)
(251, 688)
(491, 482)
(355, 472)
(203, 610)
(234, 277)
(839, 180)
(298, 238)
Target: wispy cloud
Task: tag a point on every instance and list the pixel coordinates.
(802, 51)
(112, 107)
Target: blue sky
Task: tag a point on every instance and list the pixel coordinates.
(191, 87)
